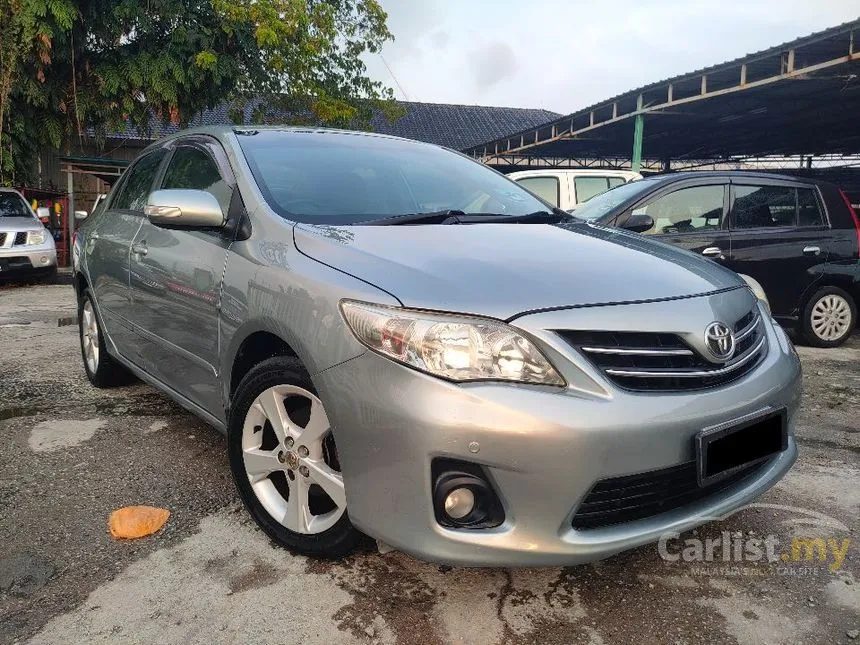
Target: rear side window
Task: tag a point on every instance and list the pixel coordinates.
(588, 187)
(13, 205)
(136, 188)
(194, 169)
(808, 211)
(689, 210)
(764, 206)
(544, 187)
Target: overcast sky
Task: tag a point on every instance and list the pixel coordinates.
(563, 55)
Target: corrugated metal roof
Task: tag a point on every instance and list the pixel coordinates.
(792, 116)
(454, 126)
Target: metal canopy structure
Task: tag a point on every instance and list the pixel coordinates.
(799, 98)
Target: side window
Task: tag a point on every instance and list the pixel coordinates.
(689, 210)
(615, 181)
(193, 168)
(808, 210)
(544, 187)
(764, 207)
(138, 184)
(590, 186)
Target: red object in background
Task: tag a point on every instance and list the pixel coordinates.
(56, 222)
(856, 217)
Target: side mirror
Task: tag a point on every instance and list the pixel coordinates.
(79, 215)
(184, 207)
(638, 223)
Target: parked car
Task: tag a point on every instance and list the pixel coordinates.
(26, 247)
(399, 341)
(568, 188)
(799, 238)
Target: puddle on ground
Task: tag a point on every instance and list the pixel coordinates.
(17, 411)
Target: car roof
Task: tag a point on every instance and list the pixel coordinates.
(731, 174)
(222, 131)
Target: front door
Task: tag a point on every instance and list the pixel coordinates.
(691, 217)
(779, 236)
(176, 283)
(107, 245)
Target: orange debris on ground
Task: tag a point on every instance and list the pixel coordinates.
(137, 521)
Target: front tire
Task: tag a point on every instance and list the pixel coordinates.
(829, 317)
(284, 461)
(102, 370)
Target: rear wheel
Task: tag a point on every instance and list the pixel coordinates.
(284, 461)
(102, 370)
(829, 317)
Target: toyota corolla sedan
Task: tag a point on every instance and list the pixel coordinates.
(398, 341)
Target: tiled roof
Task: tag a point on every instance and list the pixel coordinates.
(454, 126)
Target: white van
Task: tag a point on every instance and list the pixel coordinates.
(566, 188)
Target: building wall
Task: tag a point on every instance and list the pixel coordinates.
(86, 187)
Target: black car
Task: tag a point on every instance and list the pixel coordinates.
(798, 237)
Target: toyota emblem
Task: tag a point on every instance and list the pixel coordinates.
(720, 341)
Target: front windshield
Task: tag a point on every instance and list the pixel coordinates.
(604, 203)
(13, 205)
(344, 178)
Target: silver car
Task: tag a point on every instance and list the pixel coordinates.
(26, 247)
(400, 342)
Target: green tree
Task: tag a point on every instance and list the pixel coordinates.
(92, 65)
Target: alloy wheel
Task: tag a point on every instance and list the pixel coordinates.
(90, 337)
(831, 317)
(290, 460)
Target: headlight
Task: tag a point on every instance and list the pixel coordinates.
(36, 237)
(757, 290)
(459, 348)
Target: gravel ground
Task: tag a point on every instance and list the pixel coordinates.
(72, 454)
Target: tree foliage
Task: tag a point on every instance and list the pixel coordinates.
(70, 68)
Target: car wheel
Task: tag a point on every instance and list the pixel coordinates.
(284, 461)
(102, 370)
(829, 317)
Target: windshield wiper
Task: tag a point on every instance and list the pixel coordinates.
(459, 217)
(435, 217)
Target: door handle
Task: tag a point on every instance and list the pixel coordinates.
(139, 248)
(812, 250)
(714, 251)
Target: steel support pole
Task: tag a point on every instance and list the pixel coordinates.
(638, 127)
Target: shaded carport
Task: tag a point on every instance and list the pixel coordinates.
(108, 170)
(798, 98)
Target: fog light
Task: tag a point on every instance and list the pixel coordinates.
(44, 260)
(459, 503)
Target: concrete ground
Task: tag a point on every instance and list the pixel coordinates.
(71, 454)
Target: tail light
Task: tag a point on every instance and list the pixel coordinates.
(855, 217)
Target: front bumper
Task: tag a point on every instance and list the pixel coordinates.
(28, 260)
(543, 449)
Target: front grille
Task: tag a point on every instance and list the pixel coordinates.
(20, 238)
(635, 497)
(650, 361)
(2, 239)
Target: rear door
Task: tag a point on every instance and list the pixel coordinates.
(690, 215)
(547, 187)
(779, 237)
(108, 239)
(176, 279)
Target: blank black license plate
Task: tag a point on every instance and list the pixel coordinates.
(726, 449)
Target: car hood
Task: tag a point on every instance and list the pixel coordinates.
(502, 270)
(20, 224)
